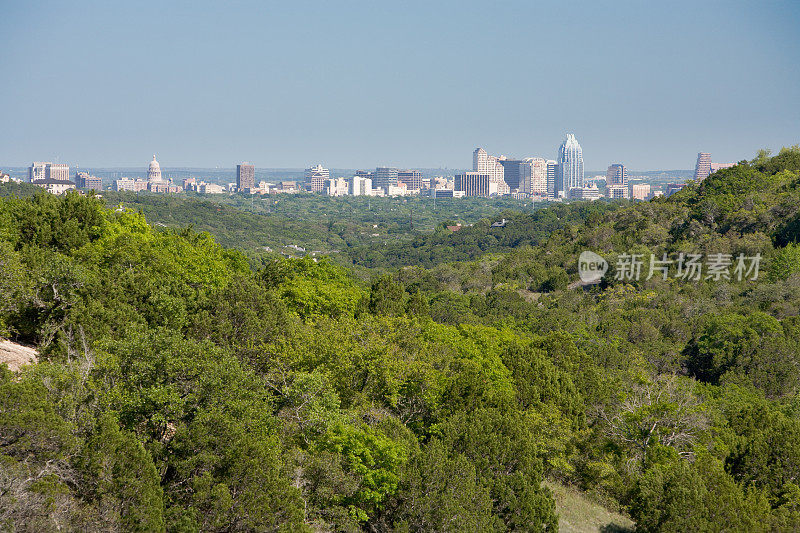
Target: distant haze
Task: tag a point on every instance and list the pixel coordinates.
(407, 84)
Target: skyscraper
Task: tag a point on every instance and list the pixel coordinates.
(617, 174)
(552, 172)
(533, 176)
(570, 164)
(703, 166)
(37, 170)
(490, 165)
(316, 176)
(412, 179)
(384, 177)
(245, 176)
(512, 172)
(475, 184)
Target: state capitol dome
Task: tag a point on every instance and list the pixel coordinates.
(154, 172)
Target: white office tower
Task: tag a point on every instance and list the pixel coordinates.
(483, 163)
(361, 186)
(336, 187)
(570, 165)
(40, 170)
(533, 176)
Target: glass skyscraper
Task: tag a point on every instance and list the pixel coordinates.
(570, 165)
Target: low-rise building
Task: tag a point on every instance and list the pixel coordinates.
(590, 192)
(640, 191)
(83, 180)
(617, 192)
(55, 186)
(672, 188)
(210, 188)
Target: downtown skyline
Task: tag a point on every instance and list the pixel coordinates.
(286, 84)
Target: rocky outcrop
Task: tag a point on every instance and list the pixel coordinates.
(16, 355)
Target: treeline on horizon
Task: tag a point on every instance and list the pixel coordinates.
(182, 387)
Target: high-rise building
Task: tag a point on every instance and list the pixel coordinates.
(512, 172)
(533, 176)
(361, 186)
(57, 171)
(37, 171)
(316, 176)
(552, 172)
(154, 171)
(412, 179)
(40, 170)
(245, 176)
(384, 177)
(490, 165)
(475, 184)
(336, 187)
(570, 165)
(617, 174)
(617, 181)
(703, 166)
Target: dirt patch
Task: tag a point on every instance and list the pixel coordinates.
(15, 355)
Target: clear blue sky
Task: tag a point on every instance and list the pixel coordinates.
(417, 84)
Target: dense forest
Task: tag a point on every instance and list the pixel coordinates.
(183, 386)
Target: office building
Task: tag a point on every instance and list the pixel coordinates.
(702, 167)
(570, 165)
(446, 193)
(245, 176)
(316, 176)
(640, 191)
(617, 174)
(384, 177)
(57, 171)
(483, 163)
(37, 171)
(589, 192)
(617, 192)
(336, 187)
(672, 188)
(533, 176)
(85, 181)
(552, 172)
(361, 186)
(411, 178)
(123, 184)
(512, 172)
(40, 170)
(475, 184)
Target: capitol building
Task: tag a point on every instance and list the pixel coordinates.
(155, 183)
(154, 171)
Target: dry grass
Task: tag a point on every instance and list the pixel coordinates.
(578, 514)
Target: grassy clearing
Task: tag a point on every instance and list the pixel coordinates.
(577, 514)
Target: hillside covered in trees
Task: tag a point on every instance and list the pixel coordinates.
(179, 388)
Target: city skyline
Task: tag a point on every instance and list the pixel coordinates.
(222, 83)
